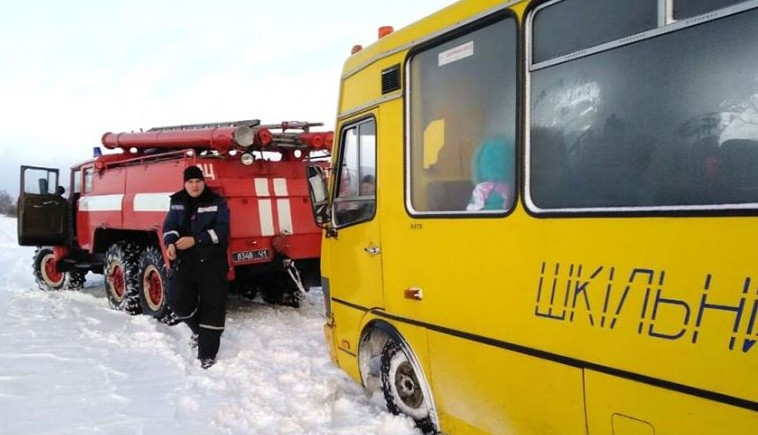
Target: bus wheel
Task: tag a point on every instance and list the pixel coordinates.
(153, 283)
(48, 277)
(121, 277)
(404, 387)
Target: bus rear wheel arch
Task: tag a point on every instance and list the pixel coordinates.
(387, 362)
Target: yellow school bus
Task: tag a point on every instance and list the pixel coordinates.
(542, 218)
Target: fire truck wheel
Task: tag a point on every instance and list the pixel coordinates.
(244, 288)
(153, 283)
(75, 279)
(47, 276)
(278, 289)
(121, 278)
(404, 388)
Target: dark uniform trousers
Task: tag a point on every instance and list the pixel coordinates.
(197, 294)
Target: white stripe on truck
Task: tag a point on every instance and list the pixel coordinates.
(101, 202)
(152, 201)
(266, 214)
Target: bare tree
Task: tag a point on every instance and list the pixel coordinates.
(7, 204)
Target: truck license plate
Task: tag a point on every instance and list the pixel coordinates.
(240, 257)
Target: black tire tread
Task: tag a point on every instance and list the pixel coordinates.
(127, 253)
(392, 348)
(152, 256)
(73, 280)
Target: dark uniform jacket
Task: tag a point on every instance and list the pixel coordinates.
(206, 218)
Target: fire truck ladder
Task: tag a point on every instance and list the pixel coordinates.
(245, 123)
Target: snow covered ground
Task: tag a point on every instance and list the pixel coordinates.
(71, 365)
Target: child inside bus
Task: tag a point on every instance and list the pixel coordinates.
(492, 174)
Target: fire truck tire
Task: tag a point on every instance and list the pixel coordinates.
(75, 279)
(121, 277)
(49, 278)
(153, 284)
(404, 388)
(244, 288)
(278, 289)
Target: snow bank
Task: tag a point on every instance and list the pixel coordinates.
(69, 364)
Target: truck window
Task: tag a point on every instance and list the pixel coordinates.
(356, 190)
(77, 175)
(463, 123)
(40, 181)
(88, 173)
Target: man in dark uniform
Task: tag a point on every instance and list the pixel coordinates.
(196, 233)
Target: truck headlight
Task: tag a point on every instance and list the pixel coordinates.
(247, 159)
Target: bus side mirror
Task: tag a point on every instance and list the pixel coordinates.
(318, 191)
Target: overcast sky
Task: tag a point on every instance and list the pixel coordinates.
(71, 70)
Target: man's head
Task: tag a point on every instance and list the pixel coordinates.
(194, 181)
(368, 185)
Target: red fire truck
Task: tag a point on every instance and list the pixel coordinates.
(111, 221)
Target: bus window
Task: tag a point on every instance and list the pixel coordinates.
(628, 128)
(356, 191)
(463, 117)
(561, 28)
(690, 8)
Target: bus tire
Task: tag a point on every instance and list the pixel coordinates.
(49, 278)
(404, 388)
(121, 277)
(152, 284)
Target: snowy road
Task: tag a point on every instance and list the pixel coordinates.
(71, 365)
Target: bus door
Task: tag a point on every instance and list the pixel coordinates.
(354, 249)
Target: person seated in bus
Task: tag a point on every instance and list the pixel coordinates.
(368, 185)
(367, 194)
(355, 206)
(492, 174)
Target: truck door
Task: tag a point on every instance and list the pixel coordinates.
(42, 212)
(355, 251)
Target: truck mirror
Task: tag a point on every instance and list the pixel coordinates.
(319, 194)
